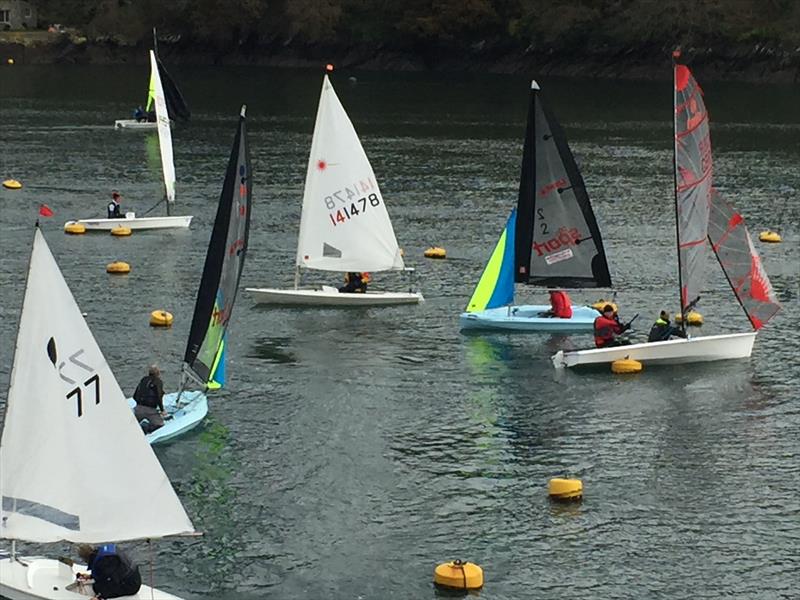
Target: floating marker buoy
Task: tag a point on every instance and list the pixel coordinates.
(693, 318)
(435, 252)
(458, 575)
(121, 231)
(565, 490)
(10, 61)
(12, 184)
(626, 365)
(118, 268)
(160, 318)
(600, 304)
(74, 228)
(771, 237)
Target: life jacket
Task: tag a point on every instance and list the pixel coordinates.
(365, 278)
(560, 305)
(116, 575)
(146, 393)
(605, 330)
(660, 331)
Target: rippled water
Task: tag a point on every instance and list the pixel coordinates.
(355, 449)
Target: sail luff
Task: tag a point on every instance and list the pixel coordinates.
(224, 262)
(526, 200)
(164, 133)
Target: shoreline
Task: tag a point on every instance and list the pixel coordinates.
(745, 62)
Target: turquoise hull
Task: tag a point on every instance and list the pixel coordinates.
(526, 318)
(193, 409)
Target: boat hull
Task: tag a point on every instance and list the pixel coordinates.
(134, 124)
(193, 409)
(672, 352)
(36, 578)
(331, 297)
(526, 318)
(137, 223)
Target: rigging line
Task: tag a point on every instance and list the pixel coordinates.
(149, 210)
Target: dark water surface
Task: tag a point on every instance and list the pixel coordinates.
(355, 449)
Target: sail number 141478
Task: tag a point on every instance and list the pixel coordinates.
(357, 207)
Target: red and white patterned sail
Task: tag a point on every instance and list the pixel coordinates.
(693, 172)
(734, 248)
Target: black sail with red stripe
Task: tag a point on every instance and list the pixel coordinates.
(224, 264)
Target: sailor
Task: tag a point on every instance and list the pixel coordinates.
(149, 396)
(560, 305)
(151, 116)
(113, 206)
(114, 573)
(355, 283)
(662, 330)
(139, 115)
(607, 328)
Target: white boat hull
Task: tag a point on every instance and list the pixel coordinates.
(330, 296)
(137, 223)
(134, 124)
(36, 578)
(672, 352)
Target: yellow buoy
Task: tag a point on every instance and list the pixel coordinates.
(119, 230)
(118, 268)
(12, 184)
(435, 252)
(74, 228)
(458, 575)
(160, 318)
(600, 304)
(565, 490)
(626, 365)
(771, 237)
(693, 318)
(10, 61)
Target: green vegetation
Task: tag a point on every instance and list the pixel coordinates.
(423, 26)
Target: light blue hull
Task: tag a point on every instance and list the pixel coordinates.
(193, 409)
(526, 318)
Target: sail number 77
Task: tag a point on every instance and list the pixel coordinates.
(78, 394)
(356, 208)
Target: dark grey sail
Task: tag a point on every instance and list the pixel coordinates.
(558, 242)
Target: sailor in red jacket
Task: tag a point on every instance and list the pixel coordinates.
(560, 305)
(606, 329)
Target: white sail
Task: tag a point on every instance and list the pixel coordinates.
(74, 464)
(344, 225)
(164, 132)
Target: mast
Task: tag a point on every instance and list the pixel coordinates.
(155, 41)
(675, 56)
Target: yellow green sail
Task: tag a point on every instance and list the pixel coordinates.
(496, 285)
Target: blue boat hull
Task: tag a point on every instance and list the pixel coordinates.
(193, 409)
(526, 318)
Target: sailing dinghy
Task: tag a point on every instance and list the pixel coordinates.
(176, 105)
(703, 219)
(551, 239)
(74, 465)
(344, 225)
(204, 360)
(130, 219)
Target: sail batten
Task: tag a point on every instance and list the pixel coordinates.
(558, 241)
(223, 266)
(67, 424)
(344, 224)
